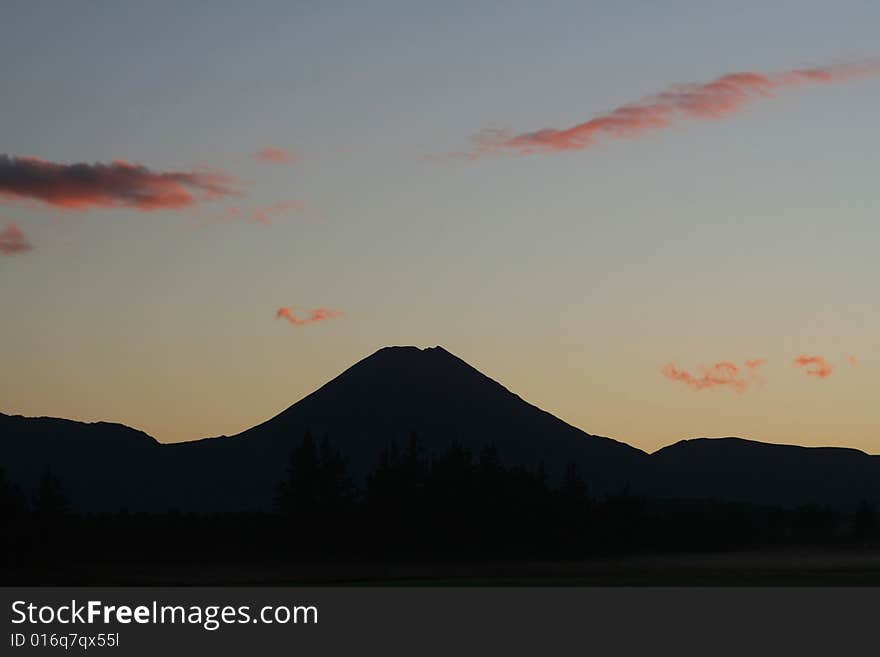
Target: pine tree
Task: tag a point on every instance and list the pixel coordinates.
(50, 504)
(298, 494)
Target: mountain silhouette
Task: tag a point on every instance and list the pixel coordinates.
(392, 395)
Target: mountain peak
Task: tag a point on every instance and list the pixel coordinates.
(409, 350)
(405, 362)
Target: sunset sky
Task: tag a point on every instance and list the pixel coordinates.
(570, 196)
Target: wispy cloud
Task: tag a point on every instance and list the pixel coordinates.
(721, 374)
(82, 186)
(275, 155)
(265, 213)
(262, 214)
(716, 99)
(13, 241)
(312, 316)
(815, 366)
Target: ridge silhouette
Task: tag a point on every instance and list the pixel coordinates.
(387, 397)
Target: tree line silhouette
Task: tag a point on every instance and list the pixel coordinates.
(414, 505)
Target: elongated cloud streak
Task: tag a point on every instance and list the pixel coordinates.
(817, 366)
(275, 155)
(13, 241)
(711, 100)
(316, 315)
(262, 214)
(118, 184)
(721, 374)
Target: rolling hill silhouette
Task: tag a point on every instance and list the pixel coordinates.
(764, 473)
(387, 397)
(103, 466)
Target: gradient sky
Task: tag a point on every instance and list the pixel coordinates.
(570, 277)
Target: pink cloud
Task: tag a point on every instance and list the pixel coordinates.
(313, 316)
(853, 361)
(82, 186)
(710, 100)
(265, 213)
(275, 155)
(13, 240)
(721, 374)
(821, 368)
(262, 214)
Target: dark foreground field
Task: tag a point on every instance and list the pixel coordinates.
(752, 568)
(448, 520)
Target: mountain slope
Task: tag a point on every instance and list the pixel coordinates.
(105, 466)
(401, 390)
